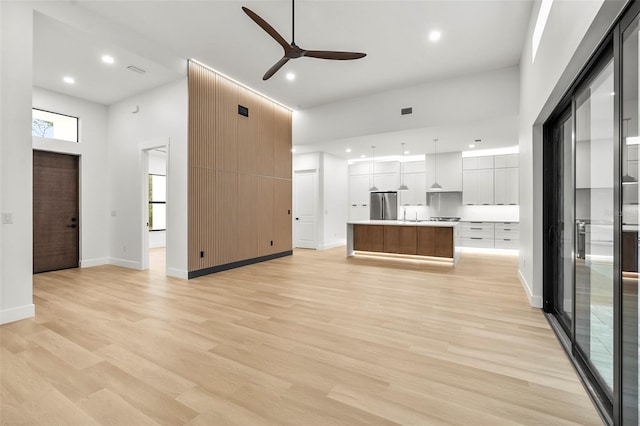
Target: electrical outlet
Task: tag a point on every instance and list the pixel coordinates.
(202, 254)
(7, 218)
(113, 213)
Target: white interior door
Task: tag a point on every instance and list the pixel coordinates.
(305, 196)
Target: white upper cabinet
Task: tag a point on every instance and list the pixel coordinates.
(506, 186)
(386, 167)
(478, 187)
(476, 163)
(504, 161)
(363, 168)
(485, 187)
(414, 167)
(359, 190)
(448, 169)
(387, 181)
(491, 180)
(416, 195)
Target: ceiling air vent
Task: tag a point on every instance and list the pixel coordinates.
(136, 69)
(406, 111)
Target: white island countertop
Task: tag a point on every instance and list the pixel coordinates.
(405, 223)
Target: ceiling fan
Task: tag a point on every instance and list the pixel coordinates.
(291, 50)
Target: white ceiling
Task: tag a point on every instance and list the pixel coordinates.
(477, 35)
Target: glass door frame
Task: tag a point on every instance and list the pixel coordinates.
(607, 402)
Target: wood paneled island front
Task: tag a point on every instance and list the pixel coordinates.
(432, 239)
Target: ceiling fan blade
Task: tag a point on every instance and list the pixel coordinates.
(340, 56)
(268, 28)
(275, 68)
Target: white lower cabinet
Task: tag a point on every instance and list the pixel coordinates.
(507, 235)
(476, 234)
(500, 235)
(358, 212)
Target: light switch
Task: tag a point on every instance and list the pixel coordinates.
(7, 218)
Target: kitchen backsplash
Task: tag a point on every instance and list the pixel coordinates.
(491, 213)
(465, 213)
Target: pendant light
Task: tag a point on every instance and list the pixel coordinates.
(402, 187)
(373, 175)
(436, 186)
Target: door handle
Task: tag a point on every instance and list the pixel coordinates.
(73, 225)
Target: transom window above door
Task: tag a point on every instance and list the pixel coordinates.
(51, 125)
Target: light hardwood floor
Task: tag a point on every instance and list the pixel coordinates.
(311, 339)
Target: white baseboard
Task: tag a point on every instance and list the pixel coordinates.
(534, 301)
(17, 314)
(94, 262)
(125, 263)
(178, 273)
(334, 245)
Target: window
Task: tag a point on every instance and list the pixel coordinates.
(157, 203)
(46, 124)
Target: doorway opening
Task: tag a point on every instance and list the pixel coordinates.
(155, 206)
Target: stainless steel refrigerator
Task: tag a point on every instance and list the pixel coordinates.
(383, 206)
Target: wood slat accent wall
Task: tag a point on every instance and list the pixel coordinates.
(239, 173)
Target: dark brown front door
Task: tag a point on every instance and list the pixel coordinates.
(55, 211)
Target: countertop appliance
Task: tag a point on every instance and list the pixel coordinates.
(444, 219)
(383, 205)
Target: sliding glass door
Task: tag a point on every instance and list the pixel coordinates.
(594, 210)
(630, 115)
(591, 222)
(581, 227)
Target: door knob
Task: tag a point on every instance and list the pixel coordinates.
(297, 218)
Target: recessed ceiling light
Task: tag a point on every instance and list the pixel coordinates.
(362, 156)
(406, 152)
(472, 146)
(69, 80)
(293, 150)
(435, 35)
(108, 59)
(291, 76)
(348, 150)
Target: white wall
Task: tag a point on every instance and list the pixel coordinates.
(571, 34)
(335, 188)
(461, 100)
(92, 149)
(162, 118)
(16, 161)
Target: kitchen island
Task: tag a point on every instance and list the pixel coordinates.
(421, 238)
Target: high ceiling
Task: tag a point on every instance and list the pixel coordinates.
(158, 36)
